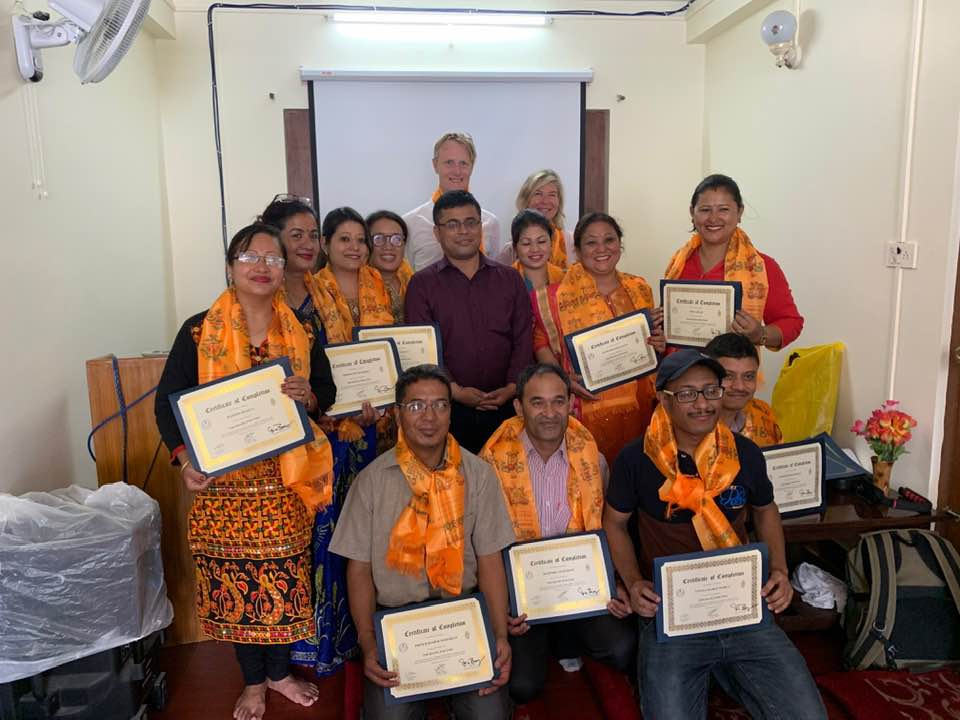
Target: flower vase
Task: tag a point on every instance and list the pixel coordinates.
(881, 473)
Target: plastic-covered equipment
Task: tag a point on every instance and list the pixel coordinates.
(805, 396)
(80, 572)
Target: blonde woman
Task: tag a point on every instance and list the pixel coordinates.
(543, 192)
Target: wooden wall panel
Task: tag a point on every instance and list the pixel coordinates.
(949, 492)
(596, 171)
(296, 135)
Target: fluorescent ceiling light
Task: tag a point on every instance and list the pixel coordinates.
(439, 18)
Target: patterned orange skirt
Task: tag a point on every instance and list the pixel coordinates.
(250, 539)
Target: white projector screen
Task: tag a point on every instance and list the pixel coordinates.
(374, 134)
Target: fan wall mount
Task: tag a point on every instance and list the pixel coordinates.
(104, 30)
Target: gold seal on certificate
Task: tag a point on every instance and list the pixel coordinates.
(695, 312)
(559, 578)
(436, 648)
(239, 419)
(797, 473)
(416, 344)
(614, 352)
(363, 372)
(716, 591)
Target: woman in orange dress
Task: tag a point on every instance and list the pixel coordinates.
(592, 291)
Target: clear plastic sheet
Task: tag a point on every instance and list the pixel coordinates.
(80, 572)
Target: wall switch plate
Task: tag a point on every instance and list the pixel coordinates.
(902, 255)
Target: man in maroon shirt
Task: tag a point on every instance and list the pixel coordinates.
(483, 311)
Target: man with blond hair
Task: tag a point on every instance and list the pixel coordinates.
(454, 156)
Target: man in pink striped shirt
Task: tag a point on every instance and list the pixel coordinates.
(553, 479)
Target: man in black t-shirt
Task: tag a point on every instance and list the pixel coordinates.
(759, 666)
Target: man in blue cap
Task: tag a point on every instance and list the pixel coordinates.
(691, 483)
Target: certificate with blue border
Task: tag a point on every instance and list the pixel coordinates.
(365, 371)
(416, 344)
(612, 352)
(239, 419)
(798, 472)
(560, 578)
(711, 592)
(437, 648)
(696, 311)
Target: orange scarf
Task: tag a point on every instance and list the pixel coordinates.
(761, 424)
(504, 451)
(428, 535)
(224, 349)
(717, 465)
(554, 273)
(742, 264)
(404, 273)
(558, 252)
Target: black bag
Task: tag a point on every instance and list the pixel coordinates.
(904, 599)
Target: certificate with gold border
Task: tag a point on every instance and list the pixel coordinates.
(560, 578)
(711, 592)
(696, 311)
(239, 419)
(364, 371)
(797, 472)
(612, 352)
(437, 648)
(416, 344)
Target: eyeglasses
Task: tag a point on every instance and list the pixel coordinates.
(380, 240)
(418, 406)
(288, 198)
(710, 392)
(470, 224)
(251, 258)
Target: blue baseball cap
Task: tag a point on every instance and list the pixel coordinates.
(676, 364)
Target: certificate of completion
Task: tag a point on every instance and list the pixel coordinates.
(696, 311)
(708, 592)
(416, 344)
(613, 352)
(437, 648)
(239, 419)
(560, 578)
(363, 372)
(797, 473)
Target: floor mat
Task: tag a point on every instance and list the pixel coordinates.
(888, 695)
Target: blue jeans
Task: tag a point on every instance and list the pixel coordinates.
(760, 668)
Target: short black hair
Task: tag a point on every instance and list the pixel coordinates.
(718, 182)
(244, 236)
(388, 215)
(731, 345)
(337, 217)
(591, 218)
(278, 212)
(421, 372)
(537, 369)
(454, 199)
(526, 218)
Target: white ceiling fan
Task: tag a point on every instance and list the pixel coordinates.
(104, 30)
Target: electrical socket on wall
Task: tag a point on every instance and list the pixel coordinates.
(902, 255)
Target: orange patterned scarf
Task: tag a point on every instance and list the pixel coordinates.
(761, 424)
(224, 349)
(717, 465)
(404, 273)
(504, 451)
(428, 535)
(558, 251)
(581, 305)
(554, 273)
(741, 263)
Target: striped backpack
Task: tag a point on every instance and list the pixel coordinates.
(902, 611)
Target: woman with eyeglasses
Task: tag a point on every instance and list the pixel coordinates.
(593, 291)
(250, 528)
(530, 234)
(346, 292)
(388, 239)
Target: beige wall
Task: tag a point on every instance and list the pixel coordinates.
(819, 153)
(86, 271)
(655, 133)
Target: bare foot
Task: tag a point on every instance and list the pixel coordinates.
(295, 690)
(252, 703)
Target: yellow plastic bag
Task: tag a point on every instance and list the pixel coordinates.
(805, 396)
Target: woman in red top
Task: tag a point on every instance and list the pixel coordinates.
(721, 250)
